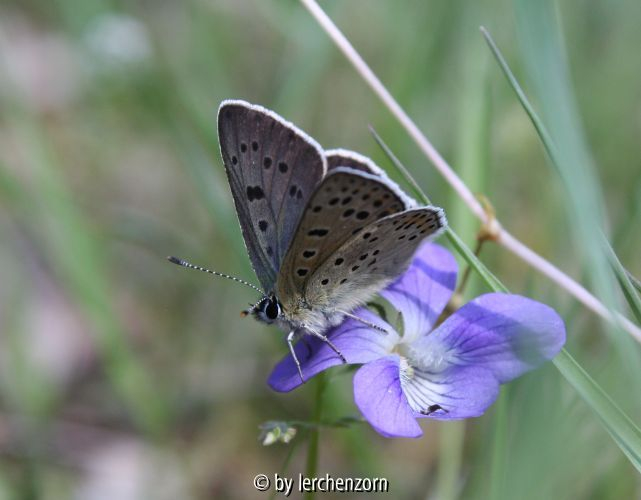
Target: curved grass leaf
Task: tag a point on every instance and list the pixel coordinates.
(621, 428)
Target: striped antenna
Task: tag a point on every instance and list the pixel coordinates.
(184, 263)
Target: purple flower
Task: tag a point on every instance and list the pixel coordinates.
(449, 372)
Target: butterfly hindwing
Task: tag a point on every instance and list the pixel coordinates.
(345, 202)
(273, 168)
(345, 158)
(337, 158)
(372, 258)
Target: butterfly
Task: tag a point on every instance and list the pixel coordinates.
(324, 230)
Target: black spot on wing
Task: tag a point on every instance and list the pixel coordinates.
(255, 193)
(319, 233)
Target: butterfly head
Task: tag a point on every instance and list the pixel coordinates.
(286, 316)
(268, 309)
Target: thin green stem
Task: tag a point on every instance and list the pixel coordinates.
(625, 283)
(468, 269)
(451, 440)
(418, 191)
(314, 433)
(623, 430)
(285, 466)
(499, 446)
(341, 423)
(635, 282)
(534, 118)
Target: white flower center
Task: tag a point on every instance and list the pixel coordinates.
(421, 391)
(432, 360)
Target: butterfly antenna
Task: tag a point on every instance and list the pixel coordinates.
(184, 263)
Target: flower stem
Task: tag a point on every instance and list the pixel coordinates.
(499, 446)
(448, 481)
(312, 447)
(283, 469)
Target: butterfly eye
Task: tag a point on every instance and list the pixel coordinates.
(272, 309)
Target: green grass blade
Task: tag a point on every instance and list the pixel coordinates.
(543, 55)
(568, 154)
(563, 140)
(621, 428)
(625, 283)
(634, 281)
(464, 251)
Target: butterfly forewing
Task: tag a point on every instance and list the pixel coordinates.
(372, 258)
(346, 201)
(273, 168)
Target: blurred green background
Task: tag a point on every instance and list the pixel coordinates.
(122, 376)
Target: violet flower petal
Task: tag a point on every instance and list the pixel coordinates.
(358, 342)
(424, 290)
(449, 393)
(507, 334)
(379, 397)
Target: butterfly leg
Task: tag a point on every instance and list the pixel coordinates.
(364, 321)
(290, 343)
(328, 342)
